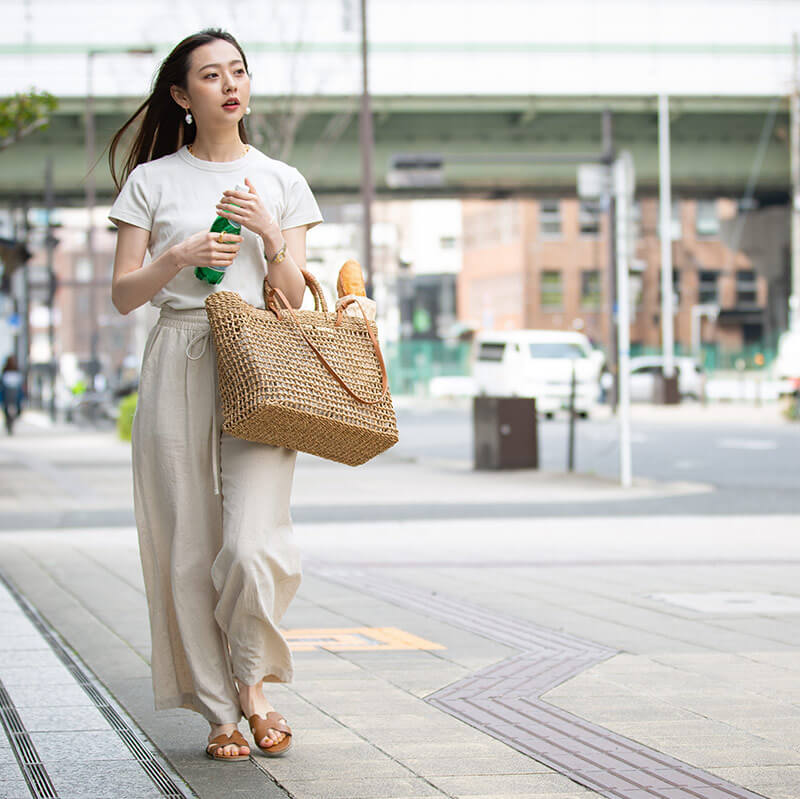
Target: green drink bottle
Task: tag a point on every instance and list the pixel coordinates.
(220, 225)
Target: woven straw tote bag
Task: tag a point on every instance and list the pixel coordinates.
(312, 381)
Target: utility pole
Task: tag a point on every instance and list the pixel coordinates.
(665, 211)
(50, 244)
(608, 157)
(624, 183)
(26, 301)
(91, 193)
(366, 146)
(794, 161)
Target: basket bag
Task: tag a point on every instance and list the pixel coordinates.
(312, 381)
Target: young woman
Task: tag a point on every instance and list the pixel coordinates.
(219, 560)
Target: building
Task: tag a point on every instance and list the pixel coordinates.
(544, 263)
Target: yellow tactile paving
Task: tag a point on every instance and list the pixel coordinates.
(340, 639)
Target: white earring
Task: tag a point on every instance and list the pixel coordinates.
(247, 110)
(188, 117)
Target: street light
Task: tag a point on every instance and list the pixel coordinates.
(91, 190)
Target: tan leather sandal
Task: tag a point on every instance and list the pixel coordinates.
(222, 740)
(259, 726)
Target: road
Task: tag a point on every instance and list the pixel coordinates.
(752, 465)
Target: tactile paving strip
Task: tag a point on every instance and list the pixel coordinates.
(504, 699)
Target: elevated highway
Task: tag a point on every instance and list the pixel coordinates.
(489, 144)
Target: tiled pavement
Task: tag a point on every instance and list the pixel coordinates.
(715, 685)
(718, 692)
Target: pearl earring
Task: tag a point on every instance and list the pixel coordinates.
(247, 110)
(188, 117)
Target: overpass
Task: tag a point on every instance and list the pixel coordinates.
(490, 145)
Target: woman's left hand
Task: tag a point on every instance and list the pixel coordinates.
(251, 213)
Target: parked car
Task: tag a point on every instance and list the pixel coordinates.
(787, 362)
(538, 363)
(646, 368)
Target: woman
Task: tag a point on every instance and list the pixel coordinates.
(11, 392)
(219, 560)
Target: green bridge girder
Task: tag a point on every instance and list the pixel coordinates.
(714, 143)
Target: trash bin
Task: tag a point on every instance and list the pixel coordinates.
(665, 389)
(504, 433)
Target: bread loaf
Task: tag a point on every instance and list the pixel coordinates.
(350, 281)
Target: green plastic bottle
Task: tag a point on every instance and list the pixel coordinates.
(220, 225)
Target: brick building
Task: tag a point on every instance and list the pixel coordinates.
(543, 263)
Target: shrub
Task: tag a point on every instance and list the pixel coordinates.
(127, 407)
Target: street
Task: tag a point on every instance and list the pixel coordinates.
(748, 455)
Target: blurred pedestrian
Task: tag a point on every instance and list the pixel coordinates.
(12, 392)
(219, 559)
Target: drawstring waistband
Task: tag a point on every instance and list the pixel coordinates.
(196, 319)
(200, 336)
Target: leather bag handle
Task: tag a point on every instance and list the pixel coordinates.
(273, 305)
(313, 284)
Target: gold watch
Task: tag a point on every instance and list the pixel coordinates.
(278, 257)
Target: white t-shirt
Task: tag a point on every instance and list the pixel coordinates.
(176, 195)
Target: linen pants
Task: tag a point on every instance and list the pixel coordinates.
(219, 560)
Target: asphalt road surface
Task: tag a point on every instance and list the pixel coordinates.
(754, 468)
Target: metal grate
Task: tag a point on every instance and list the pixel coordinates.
(504, 701)
(143, 756)
(30, 764)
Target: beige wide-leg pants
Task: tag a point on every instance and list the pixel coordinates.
(219, 559)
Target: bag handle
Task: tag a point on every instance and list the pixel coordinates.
(375, 346)
(313, 284)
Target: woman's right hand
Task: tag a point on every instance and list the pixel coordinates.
(204, 249)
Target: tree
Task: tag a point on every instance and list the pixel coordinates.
(23, 114)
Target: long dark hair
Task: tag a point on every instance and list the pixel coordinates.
(164, 129)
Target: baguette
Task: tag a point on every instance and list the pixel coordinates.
(350, 281)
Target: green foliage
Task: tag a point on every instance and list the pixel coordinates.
(791, 409)
(24, 113)
(127, 408)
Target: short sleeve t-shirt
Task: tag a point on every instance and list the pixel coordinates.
(175, 196)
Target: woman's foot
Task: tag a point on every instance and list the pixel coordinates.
(252, 700)
(230, 750)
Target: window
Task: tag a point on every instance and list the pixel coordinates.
(708, 286)
(552, 291)
(556, 349)
(707, 221)
(491, 351)
(746, 287)
(549, 218)
(589, 218)
(591, 296)
(650, 369)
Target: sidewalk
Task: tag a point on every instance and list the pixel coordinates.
(481, 657)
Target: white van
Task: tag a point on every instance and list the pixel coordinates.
(538, 363)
